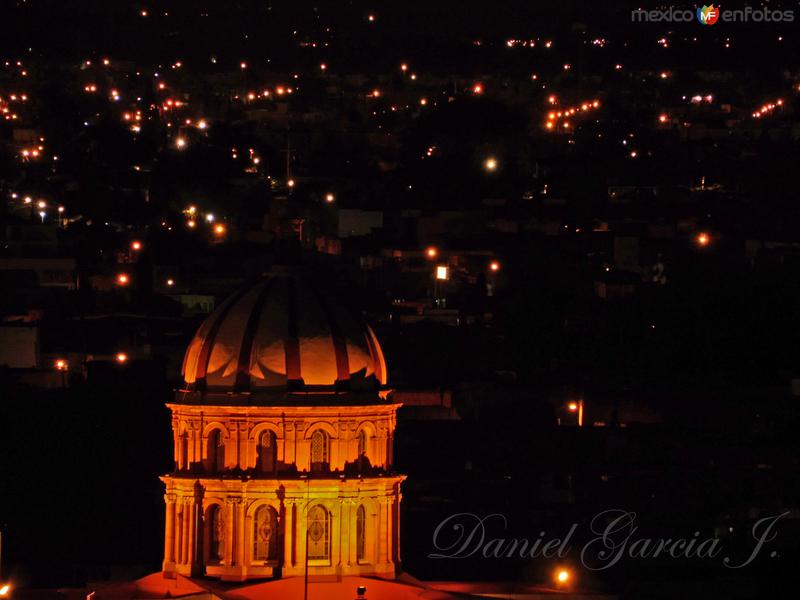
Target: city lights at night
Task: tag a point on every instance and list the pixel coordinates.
(392, 301)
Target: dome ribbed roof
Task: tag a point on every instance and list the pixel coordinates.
(283, 333)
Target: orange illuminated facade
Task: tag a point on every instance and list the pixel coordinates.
(283, 436)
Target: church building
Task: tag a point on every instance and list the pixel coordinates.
(283, 435)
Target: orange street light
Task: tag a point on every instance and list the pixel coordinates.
(431, 252)
(490, 164)
(577, 407)
(494, 266)
(329, 198)
(123, 279)
(61, 364)
(219, 229)
(121, 357)
(136, 245)
(562, 577)
(5, 591)
(702, 239)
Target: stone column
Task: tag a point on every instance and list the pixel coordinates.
(397, 499)
(240, 533)
(288, 538)
(169, 534)
(346, 509)
(389, 529)
(229, 531)
(187, 527)
(381, 530)
(178, 529)
(302, 523)
(192, 537)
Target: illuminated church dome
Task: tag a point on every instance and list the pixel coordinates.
(285, 332)
(283, 442)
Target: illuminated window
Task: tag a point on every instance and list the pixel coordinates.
(319, 531)
(361, 534)
(265, 534)
(216, 451)
(216, 533)
(319, 451)
(266, 452)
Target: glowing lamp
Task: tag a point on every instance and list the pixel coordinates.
(329, 198)
(702, 239)
(136, 245)
(61, 364)
(490, 164)
(562, 576)
(494, 266)
(442, 272)
(123, 279)
(431, 252)
(121, 357)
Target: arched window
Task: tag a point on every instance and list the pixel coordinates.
(265, 534)
(362, 449)
(319, 534)
(216, 533)
(361, 534)
(319, 451)
(216, 451)
(267, 451)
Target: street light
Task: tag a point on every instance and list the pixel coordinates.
(490, 164)
(123, 279)
(431, 252)
(494, 266)
(577, 407)
(562, 577)
(702, 239)
(329, 198)
(121, 357)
